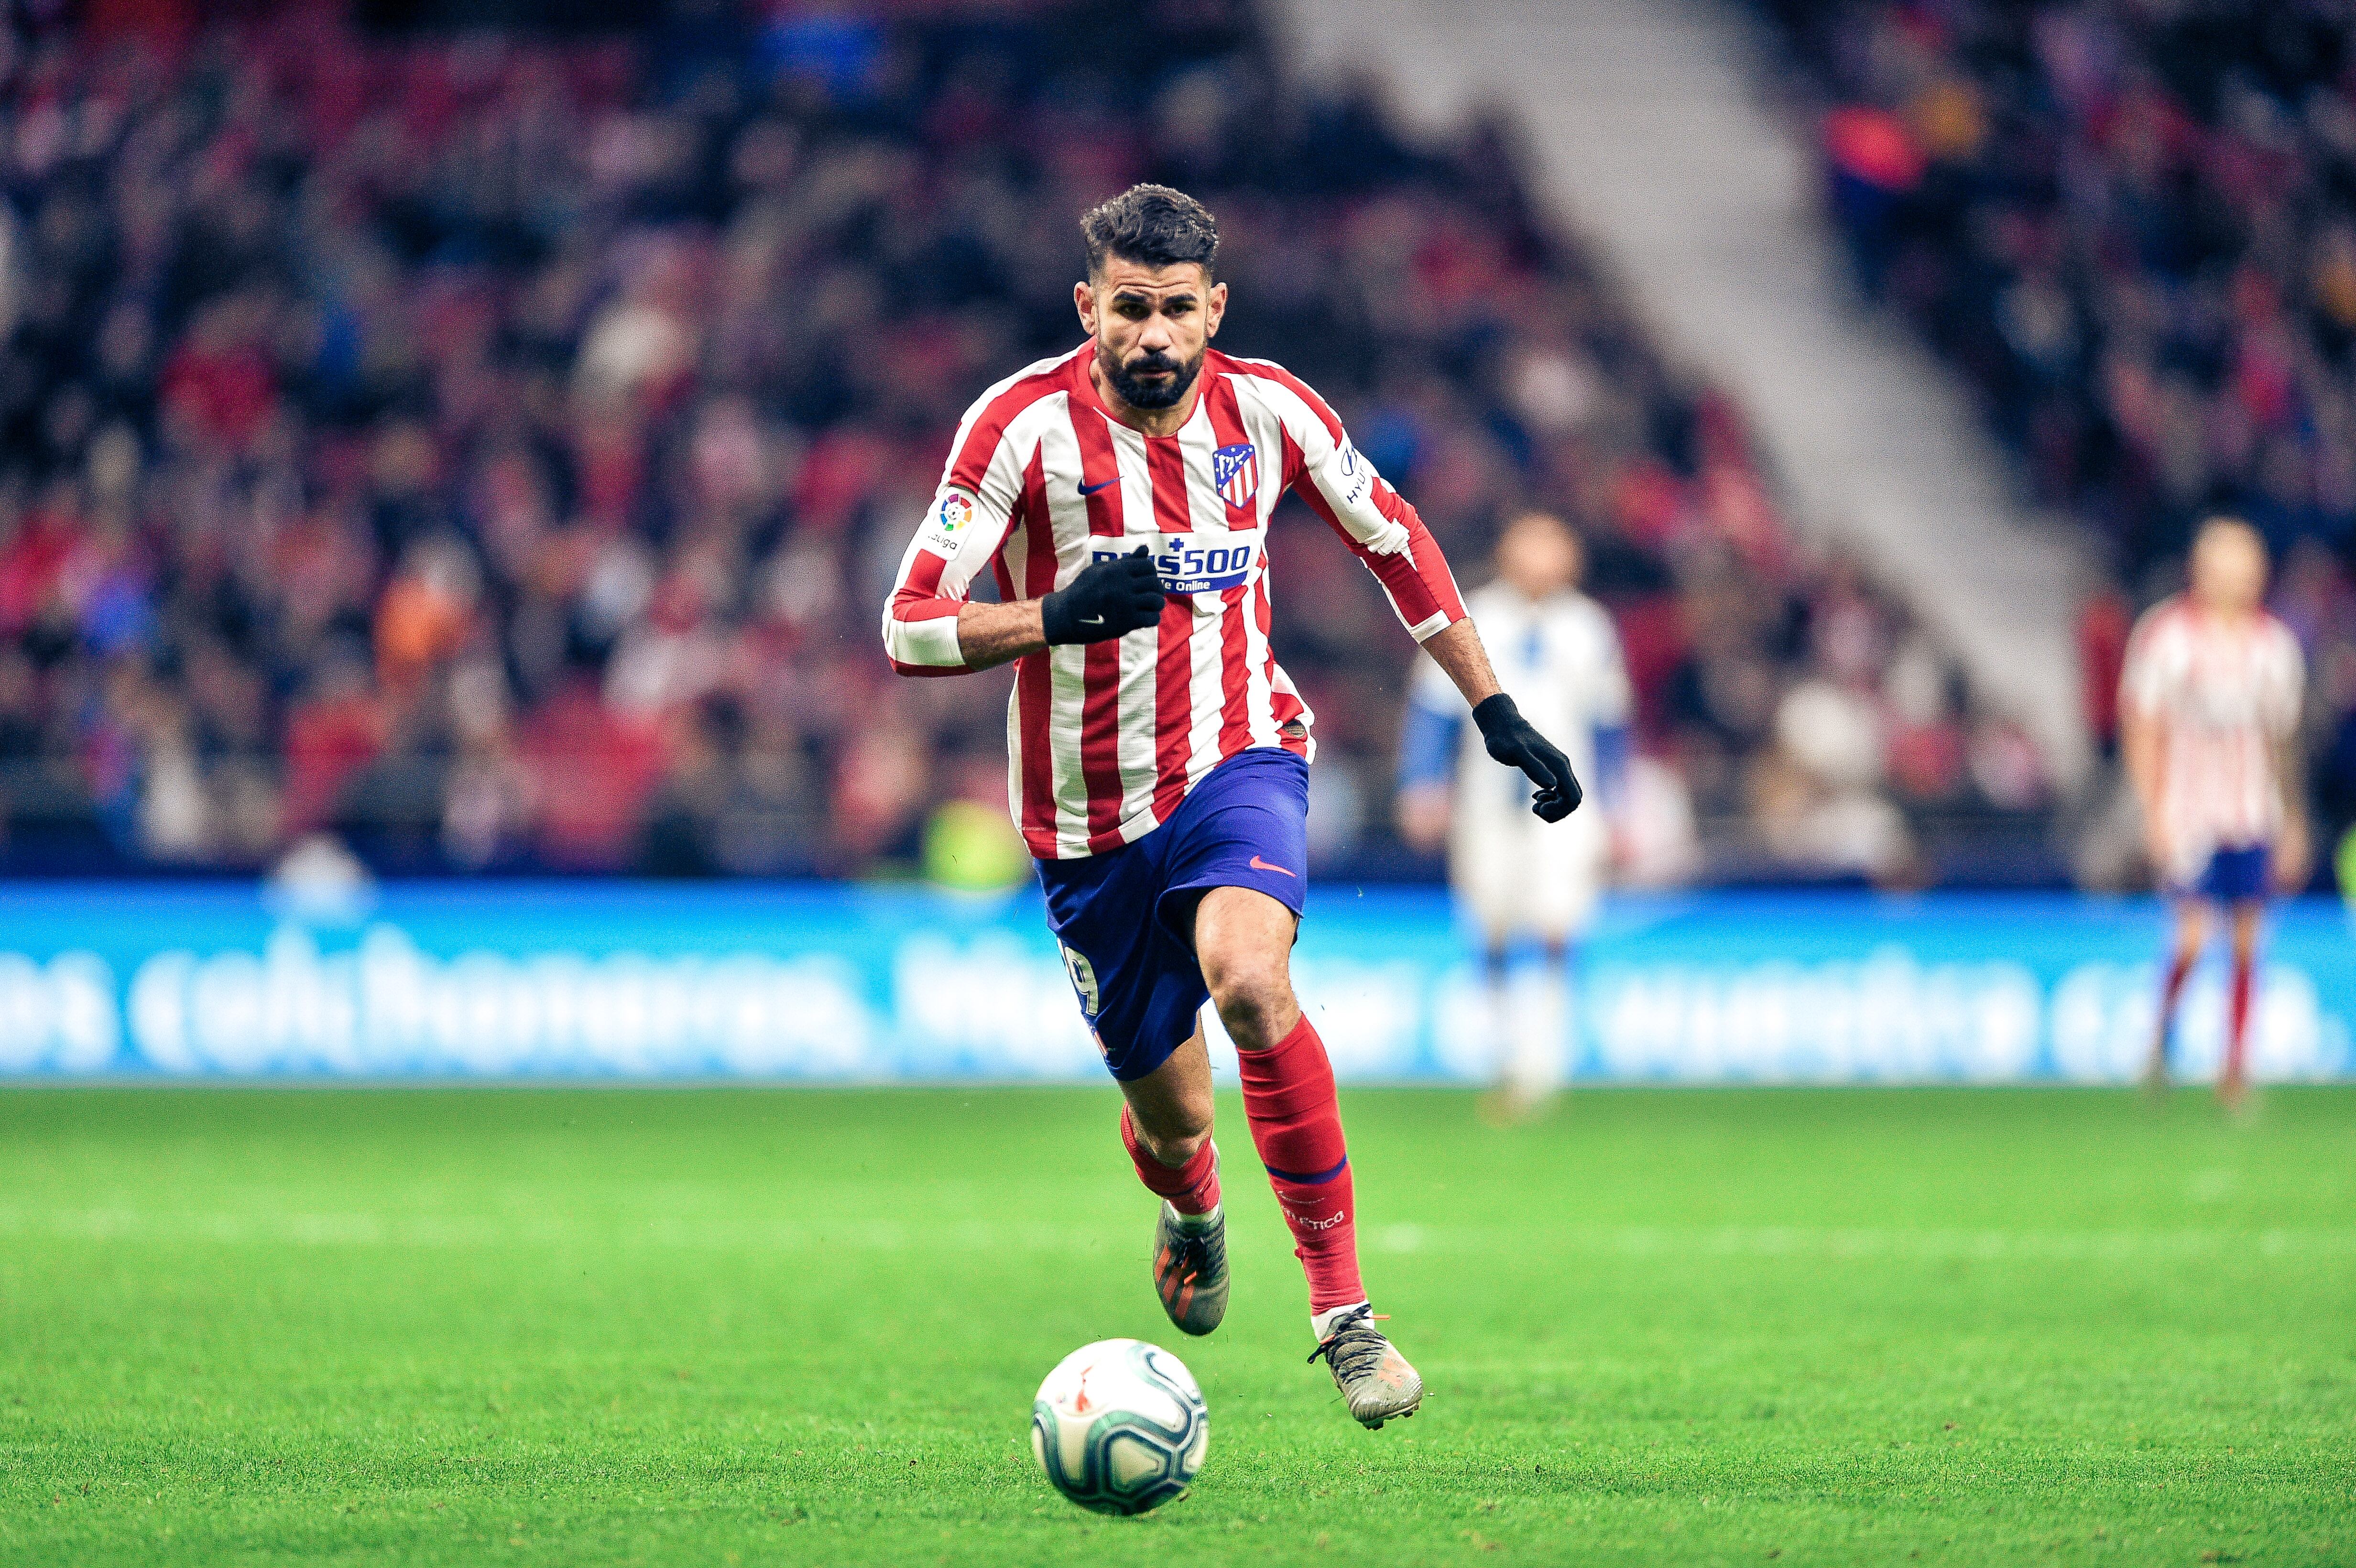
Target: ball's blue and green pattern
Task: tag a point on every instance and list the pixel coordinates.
(1131, 1457)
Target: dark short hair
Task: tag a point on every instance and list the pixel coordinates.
(1153, 226)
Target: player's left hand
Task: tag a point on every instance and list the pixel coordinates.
(1515, 741)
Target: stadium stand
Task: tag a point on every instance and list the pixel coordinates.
(490, 448)
(2134, 228)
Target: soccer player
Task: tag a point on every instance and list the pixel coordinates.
(2209, 705)
(1521, 882)
(1159, 757)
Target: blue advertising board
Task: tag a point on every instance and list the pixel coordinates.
(826, 983)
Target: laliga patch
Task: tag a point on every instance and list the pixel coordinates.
(1235, 474)
(950, 519)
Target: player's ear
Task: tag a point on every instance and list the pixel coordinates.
(1084, 300)
(1215, 307)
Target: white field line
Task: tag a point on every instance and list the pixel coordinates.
(483, 1232)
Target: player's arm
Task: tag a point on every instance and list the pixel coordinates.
(1382, 531)
(1505, 735)
(1615, 748)
(2294, 858)
(1427, 763)
(2143, 739)
(1372, 519)
(2143, 747)
(1614, 709)
(924, 619)
(1108, 599)
(930, 628)
(2295, 850)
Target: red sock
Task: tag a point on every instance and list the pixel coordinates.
(2178, 968)
(2239, 1037)
(1191, 1188)
(1297, 1127)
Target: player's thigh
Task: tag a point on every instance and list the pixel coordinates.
(1243, 940)
(1565, 882)
(2191, 925)
(1173, 1102)
(1138, 989)
(1522, 878)
(1564, 913)
(1488, 880)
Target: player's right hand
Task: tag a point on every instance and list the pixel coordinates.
(1110, 599)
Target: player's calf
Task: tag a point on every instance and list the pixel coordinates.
(1191, 1185)
(1296, 1126)
(1190, 1237)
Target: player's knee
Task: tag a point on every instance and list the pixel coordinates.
(1255, 1001)
(1174, 1133)
(1246, 968)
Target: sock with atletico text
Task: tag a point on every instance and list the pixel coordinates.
(1296, 1126)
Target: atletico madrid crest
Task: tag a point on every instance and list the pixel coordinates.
(1235, 472)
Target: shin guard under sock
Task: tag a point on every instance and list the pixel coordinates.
(1297, 1127)
(1191, 1188)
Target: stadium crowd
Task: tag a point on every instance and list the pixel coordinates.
(2134, 227)
(492, 449)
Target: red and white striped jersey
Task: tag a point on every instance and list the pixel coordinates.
(1105, 738)
(2226, 695)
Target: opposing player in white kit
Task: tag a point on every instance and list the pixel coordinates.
(1557, 648)
(2210, 703)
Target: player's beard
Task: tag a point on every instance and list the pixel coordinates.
(1139, 394)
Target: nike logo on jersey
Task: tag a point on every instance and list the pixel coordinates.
(1260, 865)
(1092, 489)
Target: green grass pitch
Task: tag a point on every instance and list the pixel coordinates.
(719, 1327)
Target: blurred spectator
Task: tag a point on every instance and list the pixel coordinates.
(2134, 227)
(490, 448)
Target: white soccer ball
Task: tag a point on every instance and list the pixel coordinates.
(1119, 1427)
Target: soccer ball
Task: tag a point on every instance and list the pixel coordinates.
(1119, 1427)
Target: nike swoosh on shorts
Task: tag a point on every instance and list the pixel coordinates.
(1260, 865)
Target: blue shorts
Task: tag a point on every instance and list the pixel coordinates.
(2235, 876)
(1125, 919)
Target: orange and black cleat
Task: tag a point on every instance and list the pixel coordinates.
(1190, 1268)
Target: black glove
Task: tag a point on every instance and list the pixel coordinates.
(1109, 598)
(1515, 741)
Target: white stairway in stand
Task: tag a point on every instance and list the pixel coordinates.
(1642, 118)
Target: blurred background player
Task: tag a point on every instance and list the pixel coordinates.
(2210, 702)
(1557, 648)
